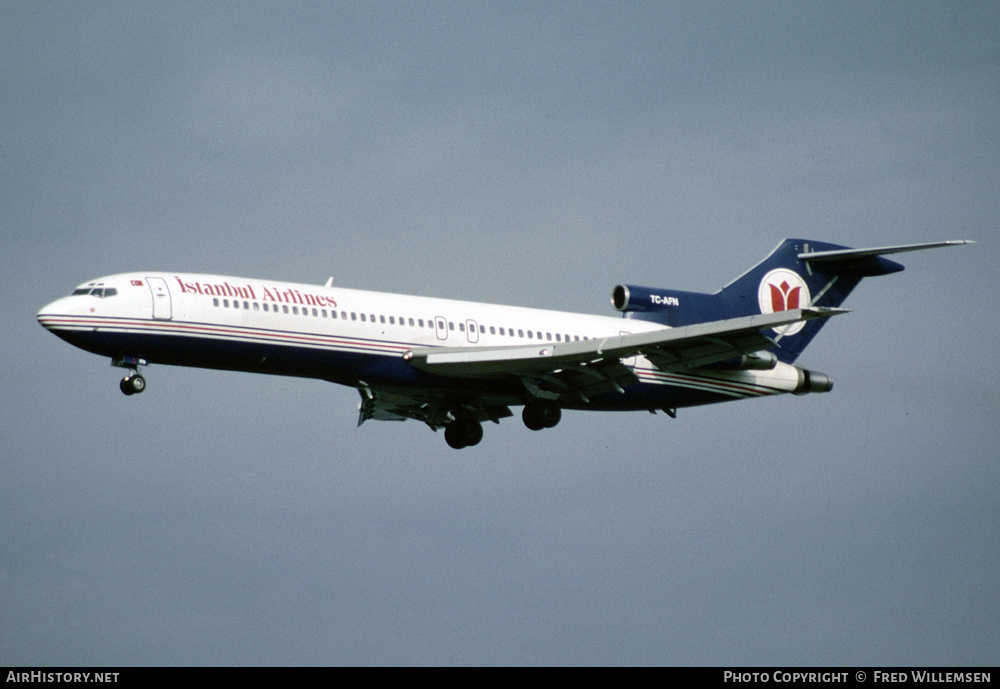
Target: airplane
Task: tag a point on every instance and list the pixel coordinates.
(457, 364)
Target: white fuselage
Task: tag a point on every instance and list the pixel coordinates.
(353, 337)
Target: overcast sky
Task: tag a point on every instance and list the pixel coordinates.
(526, 153)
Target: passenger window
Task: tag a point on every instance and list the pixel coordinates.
(530, 335)
(225, 303)
(284, 308)
(215, 302)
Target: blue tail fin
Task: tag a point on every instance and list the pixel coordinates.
(798, 273)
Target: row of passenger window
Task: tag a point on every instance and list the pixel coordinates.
(392, 320)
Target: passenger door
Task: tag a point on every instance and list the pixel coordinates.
(162, 306)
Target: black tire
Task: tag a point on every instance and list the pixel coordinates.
(551, 415)
(463, 433)
(539, 415)
(126, 386)
(137, 383)
(472, 430)
(532, 417)
(453, 435)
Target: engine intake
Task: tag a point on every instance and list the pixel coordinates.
(631, 298)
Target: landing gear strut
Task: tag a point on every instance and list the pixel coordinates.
(463, 433)
(133, 383)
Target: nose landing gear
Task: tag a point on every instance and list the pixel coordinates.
(133, 383)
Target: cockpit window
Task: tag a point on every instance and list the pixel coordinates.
(100, 292)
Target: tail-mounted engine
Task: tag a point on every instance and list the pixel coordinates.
(632, 298)
(668, 306)
(812, 381)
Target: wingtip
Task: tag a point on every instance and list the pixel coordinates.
(825, 311)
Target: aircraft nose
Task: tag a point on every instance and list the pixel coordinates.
(48, 313)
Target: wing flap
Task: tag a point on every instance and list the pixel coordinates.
(706, 351)
(433, 408)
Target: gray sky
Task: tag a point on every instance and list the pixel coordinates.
(526, 153)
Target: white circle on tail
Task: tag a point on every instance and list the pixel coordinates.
(782, 290)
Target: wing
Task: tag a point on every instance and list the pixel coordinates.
(593, 366)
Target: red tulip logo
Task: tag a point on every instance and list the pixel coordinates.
(783, 290)
(784, 297)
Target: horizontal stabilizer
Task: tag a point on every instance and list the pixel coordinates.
(841, 255)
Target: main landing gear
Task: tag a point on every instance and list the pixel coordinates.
(133, 383)
(463, 433)
(539, 415)
(466, 432)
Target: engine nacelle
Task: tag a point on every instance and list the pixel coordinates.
(669, 306)
(812, 381)
(632, 298)
(758, 361)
